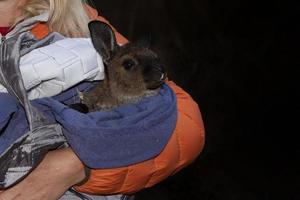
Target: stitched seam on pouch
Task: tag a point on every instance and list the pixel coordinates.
(125, 179)
(190, 118)
(179, 147)
(152, 175)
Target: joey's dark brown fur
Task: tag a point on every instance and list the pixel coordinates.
(132, 71)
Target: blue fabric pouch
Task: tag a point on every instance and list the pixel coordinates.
(126, 135)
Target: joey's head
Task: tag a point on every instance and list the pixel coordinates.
(131, 69)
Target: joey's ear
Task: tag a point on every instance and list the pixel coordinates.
(103, 39)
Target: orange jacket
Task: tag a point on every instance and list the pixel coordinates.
(184, 146)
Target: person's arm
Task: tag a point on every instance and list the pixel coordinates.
(59, 170)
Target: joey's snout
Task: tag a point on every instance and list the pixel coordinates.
(155, 76)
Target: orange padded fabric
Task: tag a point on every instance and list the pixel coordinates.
(40, 30)
(185, 145)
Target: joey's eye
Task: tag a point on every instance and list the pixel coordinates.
(128, 64)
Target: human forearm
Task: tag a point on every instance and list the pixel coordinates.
(59, 170)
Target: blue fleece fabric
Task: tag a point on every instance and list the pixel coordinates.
(126, 135)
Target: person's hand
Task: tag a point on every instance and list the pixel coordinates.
(59, 170)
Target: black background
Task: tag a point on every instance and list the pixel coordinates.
(238, 60)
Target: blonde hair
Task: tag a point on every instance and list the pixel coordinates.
(67, 17)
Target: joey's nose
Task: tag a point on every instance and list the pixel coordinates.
(155, 76)
(160, 74)
(163, 76)
(160, 69)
